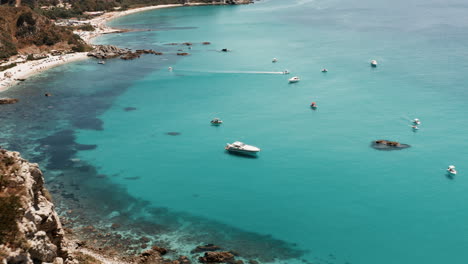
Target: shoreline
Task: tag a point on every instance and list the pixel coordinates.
(26, 69)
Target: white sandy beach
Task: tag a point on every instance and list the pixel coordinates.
(24, 70)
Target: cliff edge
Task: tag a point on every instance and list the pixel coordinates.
(30, 229)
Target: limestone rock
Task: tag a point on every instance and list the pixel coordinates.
(39, 236)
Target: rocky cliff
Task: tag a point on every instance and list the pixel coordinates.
(30, 229)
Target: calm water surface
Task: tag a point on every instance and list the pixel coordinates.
(317, 191)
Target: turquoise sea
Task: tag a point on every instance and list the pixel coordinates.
(318, 192)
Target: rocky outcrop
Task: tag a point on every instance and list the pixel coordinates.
(383, 144)
(148, 51)
(107, 52)
(8, 100)
(130, 56)
(31, 231)
(217, 257)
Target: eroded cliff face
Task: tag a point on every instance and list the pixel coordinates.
(30, 229)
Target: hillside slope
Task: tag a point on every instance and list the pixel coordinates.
(23, 29)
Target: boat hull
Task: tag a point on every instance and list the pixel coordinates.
(241, 152)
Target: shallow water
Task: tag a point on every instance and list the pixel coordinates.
(317, 191)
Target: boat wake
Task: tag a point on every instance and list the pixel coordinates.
(234, 72)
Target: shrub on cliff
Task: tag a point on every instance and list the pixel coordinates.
(86, 27)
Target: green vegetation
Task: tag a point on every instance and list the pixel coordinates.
(86, 27)
(57, 13)
(8, 66)
(81, 48)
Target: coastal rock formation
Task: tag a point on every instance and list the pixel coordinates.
(130, 56)
(162, 251)
(147, 51)
(107, 52)
(8, 100)
(183, 54)
(217, 257)
(30, 229)
(383, 144)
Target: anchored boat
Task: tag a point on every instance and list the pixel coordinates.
(241, 148)
(216, 121)
(451, 170)
(294, 79)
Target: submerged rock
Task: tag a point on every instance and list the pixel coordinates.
(128, 109)
(132, 178)
(8, 100)
(383, 144)
(173, 133)
(207, 247)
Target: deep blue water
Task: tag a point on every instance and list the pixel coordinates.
(317, 191)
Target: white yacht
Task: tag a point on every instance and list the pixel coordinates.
(216, 121)
(373, 63)
(294, 79)
(451, 170)
(242, 148)
(274, 60)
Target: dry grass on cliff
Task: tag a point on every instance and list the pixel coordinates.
(10, 202)
(22, 28)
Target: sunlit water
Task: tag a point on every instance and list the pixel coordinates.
(317, 188)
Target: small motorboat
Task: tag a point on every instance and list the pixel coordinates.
(241, 148)
(216, 121)
(451, 170)
(286, 72)
(101, 62)
(324, 70)
(313, 105)
(294, 79)
(224, 50)
(415, 127)
(373, 63)
(170, 69)
(274, 60)
(416, 121)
